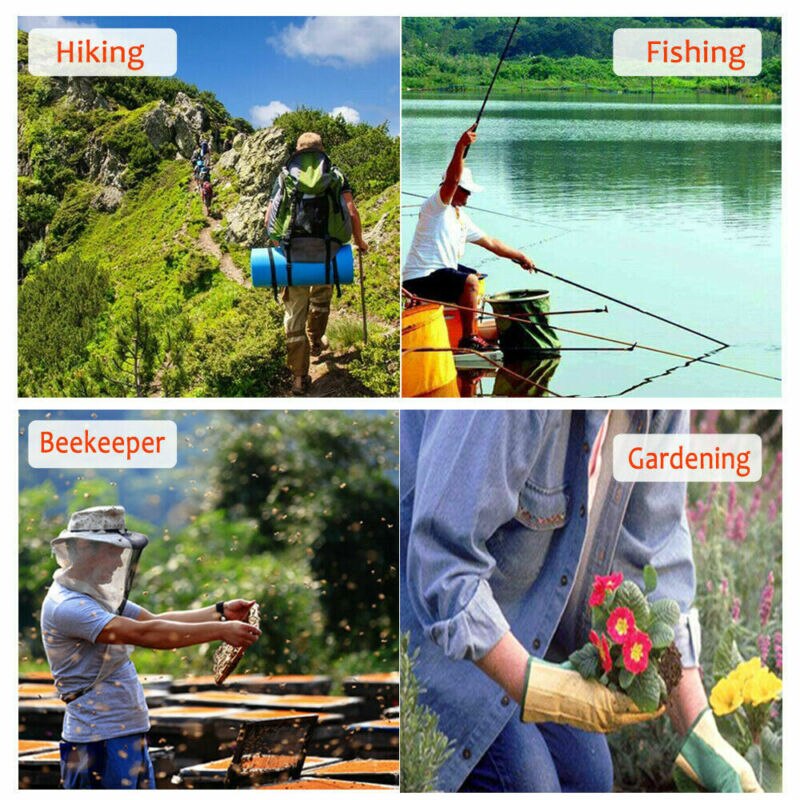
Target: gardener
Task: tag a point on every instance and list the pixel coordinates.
(307, 308)
(506, 517)
(89, 627)
(432, 268)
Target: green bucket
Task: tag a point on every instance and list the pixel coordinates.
(532, 332)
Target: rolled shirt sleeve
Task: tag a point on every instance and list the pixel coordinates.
(470, 470)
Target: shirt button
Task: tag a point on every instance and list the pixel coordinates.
(582, 510)
(505, 701)
(536, 644)
(467, 753)
(586, 447)
(564, 580)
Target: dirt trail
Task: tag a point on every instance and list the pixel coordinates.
(226, 265)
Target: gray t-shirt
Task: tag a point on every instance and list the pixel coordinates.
(115, 705)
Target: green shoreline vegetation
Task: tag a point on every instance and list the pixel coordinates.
(562, 55)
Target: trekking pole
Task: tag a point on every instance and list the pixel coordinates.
(363, 302)
(494, 77)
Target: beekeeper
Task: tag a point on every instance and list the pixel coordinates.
(89, 628)
(505, 519)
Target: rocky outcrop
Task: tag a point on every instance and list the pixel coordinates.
(104, 165)
(256, 160)
(108, 200)
(81, 94)
(182, 123)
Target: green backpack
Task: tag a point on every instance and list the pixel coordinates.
(308, 216)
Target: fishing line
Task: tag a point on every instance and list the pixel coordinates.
(498, 214)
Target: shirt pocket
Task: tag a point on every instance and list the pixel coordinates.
(543, 507)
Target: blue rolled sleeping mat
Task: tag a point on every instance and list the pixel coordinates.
(269, 268)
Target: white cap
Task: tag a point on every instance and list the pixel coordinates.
(467, 183)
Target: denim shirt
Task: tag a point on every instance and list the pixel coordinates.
(493, 521)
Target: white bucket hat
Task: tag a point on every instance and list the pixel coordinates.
(467, 182)
(97, 555)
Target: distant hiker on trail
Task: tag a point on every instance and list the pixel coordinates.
(432, 270)
(89, 628)
(205, 148)
(312, 226)
(207, 195)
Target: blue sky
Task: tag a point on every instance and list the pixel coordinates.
(258, 65)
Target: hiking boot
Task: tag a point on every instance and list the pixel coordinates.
(300, 385)
(476, 343)
(317, 347)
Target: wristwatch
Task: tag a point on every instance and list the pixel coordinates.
(220, 608)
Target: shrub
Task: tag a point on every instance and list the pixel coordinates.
(59, 308)
(423, 747)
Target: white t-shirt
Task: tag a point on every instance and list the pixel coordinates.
(439, 240)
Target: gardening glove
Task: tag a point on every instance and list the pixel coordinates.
(711, 762)
(557, 693)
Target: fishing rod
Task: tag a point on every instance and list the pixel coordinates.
(699, 359)
(629, 305)
(494, 78)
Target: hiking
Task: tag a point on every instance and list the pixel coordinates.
(142, 225)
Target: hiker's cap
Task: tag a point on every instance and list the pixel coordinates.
(467, 182)
(308, 141)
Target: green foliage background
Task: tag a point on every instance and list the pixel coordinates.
(564, 53)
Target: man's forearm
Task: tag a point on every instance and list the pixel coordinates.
(506, 664)
(206, 614)
(687, 700)
(163, 634)
(500, 248)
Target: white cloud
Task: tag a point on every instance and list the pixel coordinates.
(264, 116)
(349, 114)
(26, 23)
(340, 41)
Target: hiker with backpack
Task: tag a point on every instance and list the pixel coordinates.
(207, 194)
(311, 215)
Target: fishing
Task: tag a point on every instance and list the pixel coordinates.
(503, 328)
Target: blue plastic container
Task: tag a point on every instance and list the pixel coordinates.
(303, 273)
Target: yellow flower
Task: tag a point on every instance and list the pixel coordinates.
(726, 696)
(763, 687)
(745, 671)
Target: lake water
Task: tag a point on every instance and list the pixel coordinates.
(671, 205)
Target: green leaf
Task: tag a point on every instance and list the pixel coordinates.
(666, 611)
(625, 679)
(586, 661)
(727, 655)
(771, 746)
(645, 690)
(650, 579)
(599, 618)
(628, 594)
(755, 759)
(661, 635)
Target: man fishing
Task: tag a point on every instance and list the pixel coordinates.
(432, 269)
(506, 519)
(89, 628)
